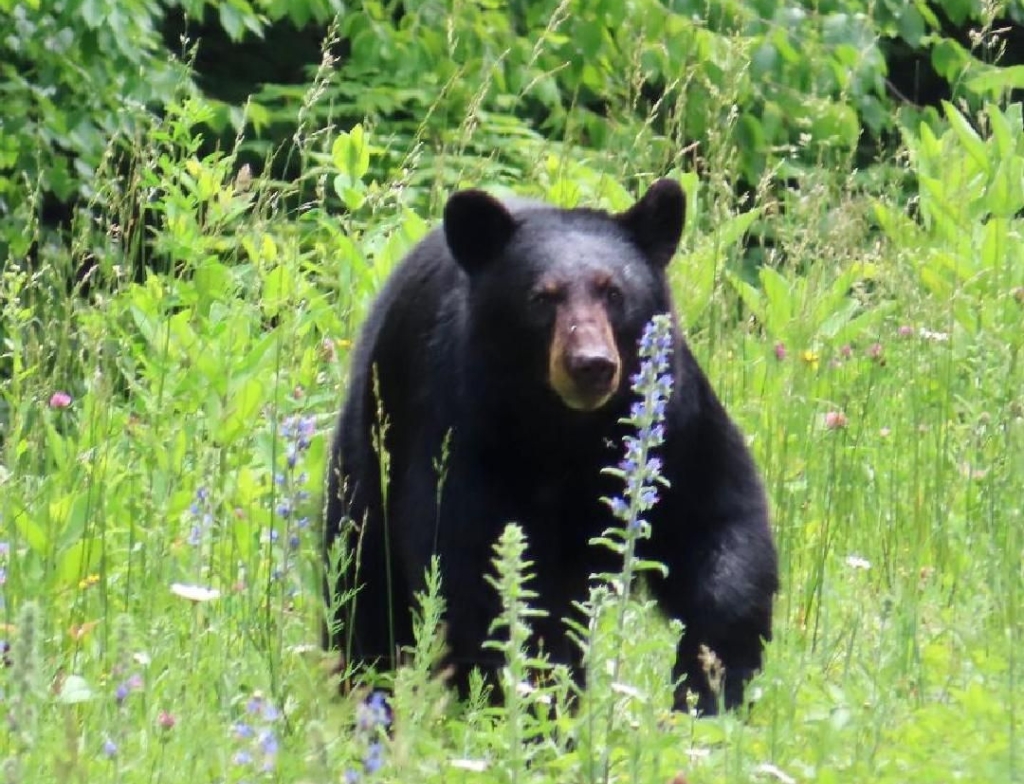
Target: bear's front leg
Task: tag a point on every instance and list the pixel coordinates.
(721, 585)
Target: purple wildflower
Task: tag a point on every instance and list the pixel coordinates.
(201, 514)
(374, 758)
(257, 743)
(288, 495)
(639, 469)
(374, 713)
(619, 507)
(267, 742)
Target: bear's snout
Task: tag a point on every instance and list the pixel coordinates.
(584, 365)
(592, 371)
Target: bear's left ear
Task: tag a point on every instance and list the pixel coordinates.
(477, 227)
(656, 221)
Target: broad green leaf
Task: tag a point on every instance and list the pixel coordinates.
(278, 289)
(994, 82)
(995, 244)
(73, 565)
(1005, 135)
(749, 295)
(151, 331)
(32, 532)
(928, 145)
(93, 13)
(243, 404)
(778, 297)
(897, 225)
(935, 282)
(351, 192)
(734, 229)
(968, 137)
(351, 154)
(268, 249)
(838, 319)
(213, 281)
(862, 324)
(1005, 196)
(232, 20)
(911, 25)
(950, 59)
(252, 363)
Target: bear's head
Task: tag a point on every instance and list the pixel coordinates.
(561, 296)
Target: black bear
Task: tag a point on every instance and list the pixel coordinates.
(507, 338)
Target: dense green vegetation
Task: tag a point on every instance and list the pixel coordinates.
(192, 226)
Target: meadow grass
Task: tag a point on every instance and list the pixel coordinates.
(164, 441)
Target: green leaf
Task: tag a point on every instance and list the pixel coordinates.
(278, 289)
(992, 82)
(32, 532)
(733, 230)
(1003, 132)
(232, 20)
(350, 153)
(351, 193)
(213, 282)
(74, 563)
(778, 310)
(968, 137)
(897, 225)
(93, 13)
(950, 59)
(997, 239)
(750, 296)
(1005, 195)
(911, 25)
(244, 401)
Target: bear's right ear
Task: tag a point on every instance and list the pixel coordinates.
(477, 227)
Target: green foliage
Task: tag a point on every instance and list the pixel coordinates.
(69, 70)
(971, 193)
(157, 358)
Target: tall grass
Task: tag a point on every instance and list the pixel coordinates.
(169, 429)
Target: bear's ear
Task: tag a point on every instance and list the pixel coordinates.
(656, 221)
(477, 227)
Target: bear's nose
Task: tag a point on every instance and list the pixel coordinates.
(592, 371)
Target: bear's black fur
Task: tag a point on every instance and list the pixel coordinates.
(514, 327)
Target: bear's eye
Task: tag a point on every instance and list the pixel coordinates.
(611, 293)
(545, 296)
